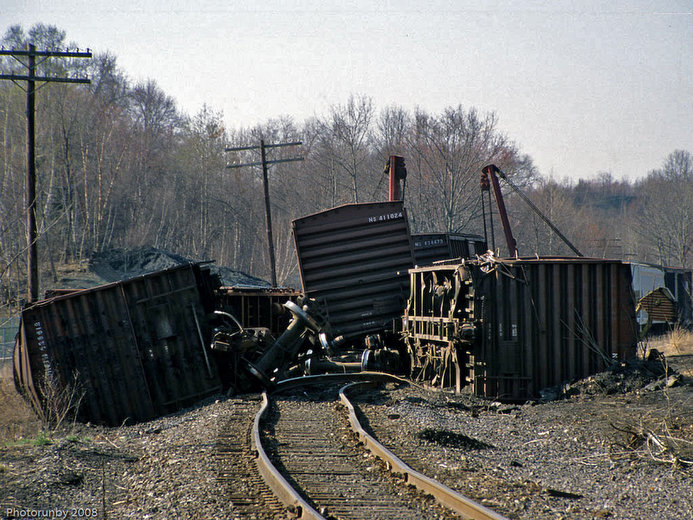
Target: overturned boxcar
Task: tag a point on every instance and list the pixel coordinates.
(433, 247)
(128, 351)
(508, 328)
(257, 306)
(355, 260)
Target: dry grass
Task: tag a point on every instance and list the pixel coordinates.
(662, 432)
(17, 420)
(665, 433)
(677, 342)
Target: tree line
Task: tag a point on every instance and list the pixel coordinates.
(119, 165)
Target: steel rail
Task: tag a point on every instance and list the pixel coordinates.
(277, 483)
(455, 501)
(274, 479)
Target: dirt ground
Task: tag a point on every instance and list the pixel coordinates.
(618, 445)
(638, 419)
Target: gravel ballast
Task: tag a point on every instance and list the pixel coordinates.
(593, 454)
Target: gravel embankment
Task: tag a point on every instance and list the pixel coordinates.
(165, 469)
(594, 455)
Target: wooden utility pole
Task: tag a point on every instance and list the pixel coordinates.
(31, 78)
(265, 184)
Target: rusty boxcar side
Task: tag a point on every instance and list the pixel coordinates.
(133, 350)
(513, 327)
(355, 259)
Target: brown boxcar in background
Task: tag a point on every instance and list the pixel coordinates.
(664, 296)
(510, 328)
(257, 306)
(355, 259)
(133, 350)
(432, 247)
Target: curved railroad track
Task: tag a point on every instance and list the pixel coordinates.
(237, 474)
(314, 455)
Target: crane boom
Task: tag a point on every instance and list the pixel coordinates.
(491, 170)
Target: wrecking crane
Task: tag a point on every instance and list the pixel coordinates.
(492, 172)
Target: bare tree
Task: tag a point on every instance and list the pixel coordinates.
(203, 167)
(247, 203)
(155, 121)
(393, 132)
(449, 152)
(665, 212)
(120, 166)
(555, 200)
(345, 142)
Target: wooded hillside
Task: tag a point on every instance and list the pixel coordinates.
(118, 165)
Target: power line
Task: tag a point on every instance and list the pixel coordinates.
(31, 78)
(265, 184)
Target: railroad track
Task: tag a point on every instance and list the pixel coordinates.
(240, 482)
(311, 450)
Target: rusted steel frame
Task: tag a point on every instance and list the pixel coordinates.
(445, 326)
(138, 348)
(202, 342)
(587, 320)
(527, 319)
(172, 291)
(256, 307)
(443, 494)
(159, 296)
(625, 325)
(602, 325)
(555, 364)
(569, 323)
(543, 273)
(432, 337)
(393, 183)
(22, 367)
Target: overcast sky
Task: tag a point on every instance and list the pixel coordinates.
(581, 86)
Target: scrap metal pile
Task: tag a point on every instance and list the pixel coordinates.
(463, 320)
(140, 348)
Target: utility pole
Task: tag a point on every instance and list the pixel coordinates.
(31, 78)
(265, 185)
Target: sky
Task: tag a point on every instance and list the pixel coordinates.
(583, 87)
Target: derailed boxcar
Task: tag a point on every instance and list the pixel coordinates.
(509, 328)
(127, 351)
(354, 259)
(257, 306)
(433, 247)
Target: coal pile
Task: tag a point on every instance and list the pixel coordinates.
(119, 264)
(637, 375)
